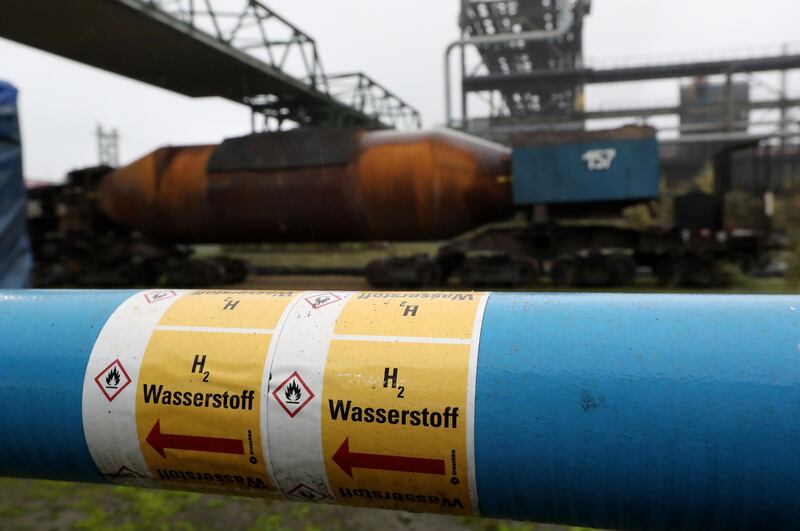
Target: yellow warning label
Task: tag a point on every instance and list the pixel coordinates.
(198, 403)
(355, 398)
(228, 309)
(418, 314)
(394, 419)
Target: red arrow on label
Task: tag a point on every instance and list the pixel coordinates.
(162, 441)
(348, 460)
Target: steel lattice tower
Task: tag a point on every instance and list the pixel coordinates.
(488, 17)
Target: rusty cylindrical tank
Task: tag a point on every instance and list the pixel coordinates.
(313, 185)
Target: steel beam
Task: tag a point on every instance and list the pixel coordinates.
(674, 109)
(520, 81)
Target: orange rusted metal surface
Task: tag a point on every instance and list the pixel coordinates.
(377, 185)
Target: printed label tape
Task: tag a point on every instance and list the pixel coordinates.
(340, 397)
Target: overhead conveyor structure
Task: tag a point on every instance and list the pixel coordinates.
(241, 50)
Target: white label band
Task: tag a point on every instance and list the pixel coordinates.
(337, 397)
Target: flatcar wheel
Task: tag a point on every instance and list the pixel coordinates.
(468, 275)
(622, 270)
(669, 272)
(699, 273)
(429, 274)
(527, 273)
(564, 272)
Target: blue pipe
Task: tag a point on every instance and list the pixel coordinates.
(640, 411)
(601, 410)
(47, 336)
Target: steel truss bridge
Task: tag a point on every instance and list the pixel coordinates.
(236, 49)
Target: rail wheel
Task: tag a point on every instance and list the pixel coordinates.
(622, 270)
(418, 271)
(669, 272)
(564, 272)
(498, 270)
(593, 270)
(527, 272)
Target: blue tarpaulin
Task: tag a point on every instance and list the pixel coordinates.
(15, 252)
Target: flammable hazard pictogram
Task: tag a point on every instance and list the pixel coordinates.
(306, 493)
(112, 380)
(293, 394)
(155, 296)
(323, 299)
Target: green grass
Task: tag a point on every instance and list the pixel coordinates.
(53, 505)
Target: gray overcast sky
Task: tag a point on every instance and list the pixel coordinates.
(398, 43)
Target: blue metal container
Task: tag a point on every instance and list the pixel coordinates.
(613, 411)
(621, 170)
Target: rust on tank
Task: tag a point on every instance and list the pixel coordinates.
(314, 185)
